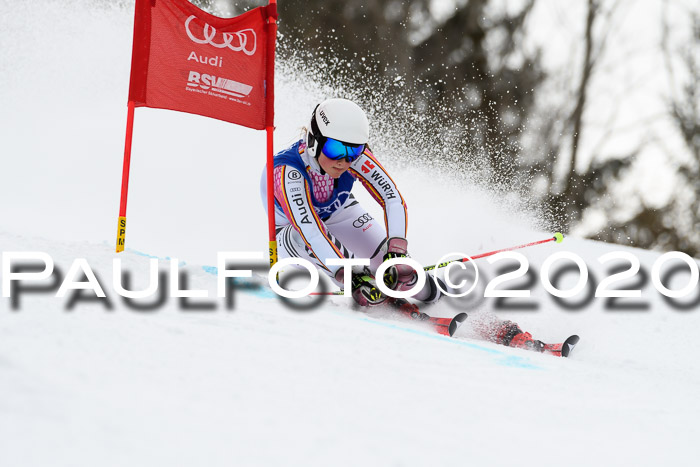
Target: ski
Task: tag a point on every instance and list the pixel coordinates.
(563, 349)
(443, 326)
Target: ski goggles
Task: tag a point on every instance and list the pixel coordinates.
(337, 150)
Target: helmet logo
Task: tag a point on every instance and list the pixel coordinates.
(324, 118)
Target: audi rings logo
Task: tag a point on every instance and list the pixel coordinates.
(362, 220)
(241, 36)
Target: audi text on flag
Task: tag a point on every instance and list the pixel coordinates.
(187, 60)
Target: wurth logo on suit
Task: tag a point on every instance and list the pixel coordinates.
(384, 184)
(368, 167)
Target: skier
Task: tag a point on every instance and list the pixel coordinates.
(317, 217)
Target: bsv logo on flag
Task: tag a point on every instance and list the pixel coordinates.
(218, 84)
(240, 44)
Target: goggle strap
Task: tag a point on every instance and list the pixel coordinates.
(316, 135)
(315, 130)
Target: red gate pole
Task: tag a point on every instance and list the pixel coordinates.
(270, 125)
(121, 224)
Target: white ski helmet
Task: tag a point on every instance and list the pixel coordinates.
(339, 119)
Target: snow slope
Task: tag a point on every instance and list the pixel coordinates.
(87, 382)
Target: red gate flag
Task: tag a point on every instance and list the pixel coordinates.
(187, 60)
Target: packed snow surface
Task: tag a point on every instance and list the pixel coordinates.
(253, 380)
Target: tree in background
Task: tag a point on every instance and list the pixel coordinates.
(570, 192)
(552, 163)
(679, 223)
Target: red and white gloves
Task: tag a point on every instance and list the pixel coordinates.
(398, 276)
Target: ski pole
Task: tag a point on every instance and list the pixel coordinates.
(558, 238)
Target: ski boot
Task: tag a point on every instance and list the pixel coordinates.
(511, 335)
(407, 308)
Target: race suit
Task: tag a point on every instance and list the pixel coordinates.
(318, 218)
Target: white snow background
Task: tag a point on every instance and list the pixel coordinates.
(264, 384)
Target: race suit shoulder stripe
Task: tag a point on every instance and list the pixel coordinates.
(287, 205)
(403, 201)
(295, 201)
(280, 195)
(369, 154)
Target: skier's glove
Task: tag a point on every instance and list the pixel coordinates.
(364, 289)
(398, 276)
